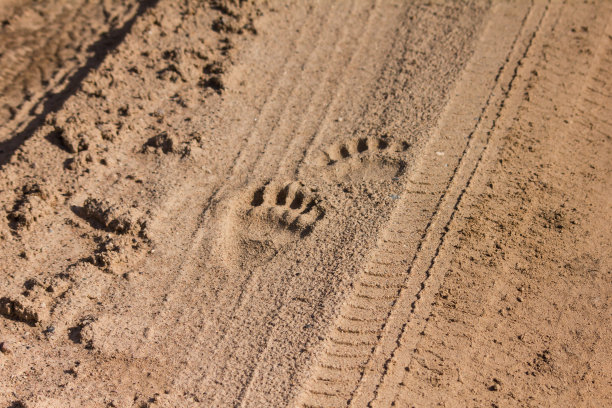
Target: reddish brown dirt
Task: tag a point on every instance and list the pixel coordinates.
(348, 204)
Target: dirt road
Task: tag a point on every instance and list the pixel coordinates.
(340, 204)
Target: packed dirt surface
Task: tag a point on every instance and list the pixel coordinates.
(282, 204)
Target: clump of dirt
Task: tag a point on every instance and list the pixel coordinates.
(36, 301)
(20, 309)
(234, 19)
(33, 202)
(128, 233)
(108, 254)
(82, 333)
(111, 217)
(162, 141)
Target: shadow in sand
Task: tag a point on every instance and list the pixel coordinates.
(52, 102)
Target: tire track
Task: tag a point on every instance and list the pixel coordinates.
(280, 112)
(291, 165)
(456, 188)
(240, 161)
(269, 108)
(569, 95)
(314, 141)
(274, 314)
(245, 396)
(266, 316)
(420, 297)
(321, 377)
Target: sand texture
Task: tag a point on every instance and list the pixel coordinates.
(370, 203)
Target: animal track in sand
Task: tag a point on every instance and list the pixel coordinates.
(363, 158)
(270, 217)
(292, 206)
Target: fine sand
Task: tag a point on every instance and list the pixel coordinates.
(370, 203)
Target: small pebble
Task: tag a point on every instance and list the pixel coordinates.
(496, 385)
(5, 348)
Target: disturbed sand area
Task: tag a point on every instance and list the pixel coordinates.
(364, 204)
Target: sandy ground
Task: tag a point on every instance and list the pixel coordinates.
(293, 204)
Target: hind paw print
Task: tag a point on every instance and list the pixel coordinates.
(292, 205)
(354, 148)
(362, 159)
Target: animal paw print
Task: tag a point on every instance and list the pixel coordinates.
(354, 148)
(292, 205)
(263, 222)
(362, 159)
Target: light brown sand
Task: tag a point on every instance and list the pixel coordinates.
(340, 204)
